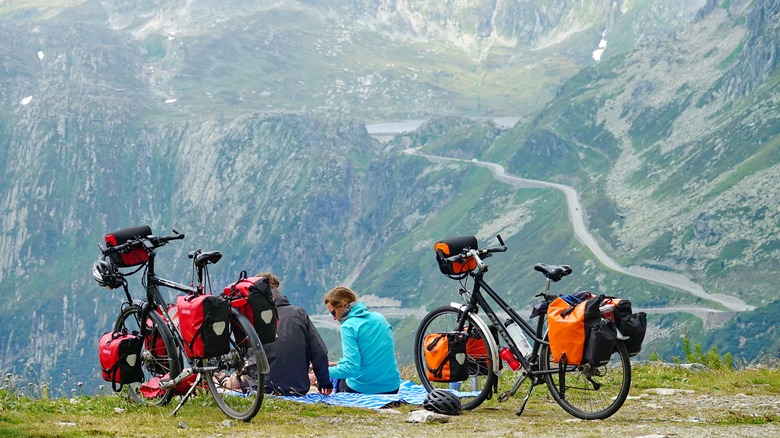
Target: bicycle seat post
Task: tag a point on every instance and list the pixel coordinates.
(547, 285)
(200, 278)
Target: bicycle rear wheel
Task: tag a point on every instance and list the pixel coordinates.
(585, 391)
(159, 356)
(479, 384)
(238, 383)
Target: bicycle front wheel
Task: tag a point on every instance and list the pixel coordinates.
(238, 385)
(585, 391)
(479, 385)
(160, 358)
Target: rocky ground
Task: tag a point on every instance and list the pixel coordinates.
(655, 412)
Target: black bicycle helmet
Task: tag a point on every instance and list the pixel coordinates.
(107, 274)
(442, 401)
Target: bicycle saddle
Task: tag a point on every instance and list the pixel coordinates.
(205, 258)
(553, 272)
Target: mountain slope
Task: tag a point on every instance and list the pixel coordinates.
(243, 127)
(674, 173)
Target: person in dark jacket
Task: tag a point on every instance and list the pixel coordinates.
(298, 347)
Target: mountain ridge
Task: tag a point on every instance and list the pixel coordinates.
(279, 173)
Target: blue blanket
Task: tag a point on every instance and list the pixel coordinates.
(407, 393)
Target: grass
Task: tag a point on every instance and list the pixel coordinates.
(110, 414)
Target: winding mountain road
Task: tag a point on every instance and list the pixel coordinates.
(664, 278)
(710, 316)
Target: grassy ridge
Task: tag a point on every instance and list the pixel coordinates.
(663, 399)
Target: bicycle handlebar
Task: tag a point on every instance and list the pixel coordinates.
(478, 253)
(148, 243)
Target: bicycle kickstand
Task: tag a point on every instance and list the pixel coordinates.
(527, 396)
(187, 395)
(504, 396)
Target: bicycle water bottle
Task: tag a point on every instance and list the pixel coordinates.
(509, 359)
(516, 333)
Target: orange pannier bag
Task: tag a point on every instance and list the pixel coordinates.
(477, 357)
(568, 327)
(445, 357)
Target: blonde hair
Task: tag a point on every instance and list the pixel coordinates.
(340, 295)
(273, 280)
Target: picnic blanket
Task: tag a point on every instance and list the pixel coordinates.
(408, 392)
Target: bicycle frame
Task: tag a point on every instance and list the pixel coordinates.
(477, 300)
(155, 300)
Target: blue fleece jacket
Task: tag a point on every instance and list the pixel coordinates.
(368, 363)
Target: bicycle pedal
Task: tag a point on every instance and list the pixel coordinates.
(167, 383)
(503, 397)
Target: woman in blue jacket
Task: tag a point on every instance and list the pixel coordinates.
(368, 364)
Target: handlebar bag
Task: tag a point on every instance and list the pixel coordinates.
(120, 358)
(450, 247)
(135, 256)
(259, 306)
(445, 357)
(569, 328)
(204, 325)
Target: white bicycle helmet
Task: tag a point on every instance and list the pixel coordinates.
(107, 274)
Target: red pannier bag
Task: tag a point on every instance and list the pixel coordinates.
(120, 362)
(445, 357)
(254, 298)
(204, 324)
(152, 390)
(133, 257)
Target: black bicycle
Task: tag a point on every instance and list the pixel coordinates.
(583, 390)
(235, 379)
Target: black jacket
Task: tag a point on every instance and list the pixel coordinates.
(298, 344)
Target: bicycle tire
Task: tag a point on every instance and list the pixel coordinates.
(479, 385)
(580, 397)
(237, 385)
(160, 357)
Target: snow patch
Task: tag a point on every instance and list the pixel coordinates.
(602, 45)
